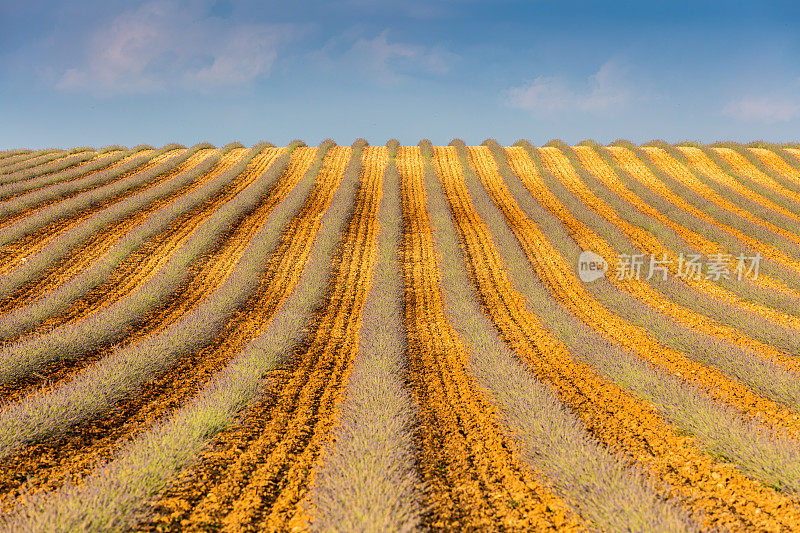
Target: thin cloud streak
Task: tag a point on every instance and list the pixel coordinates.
(762, 109)
(166, 45)
(606, 89)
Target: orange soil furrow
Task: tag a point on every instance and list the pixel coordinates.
(642, 238)
(639, 171)
(741, 165)
(205, 276)
(470, 466)
(776, 163)
(256, 473)
(647, 242)
(613, 415)
(72, 456)
(679, 172)
(557, 163)
(283, 470)
(701, 163)
(570, 291)
(15, 252)
(17, 158)
(81, 174)
(99, 244)
(794, 151)
(146, 260)
(41, 159)
(9, 220)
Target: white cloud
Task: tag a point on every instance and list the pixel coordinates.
(384, 61)
(762, 109)
(165, 44)
(604, 90)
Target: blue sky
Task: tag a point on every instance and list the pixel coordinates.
(111, 72)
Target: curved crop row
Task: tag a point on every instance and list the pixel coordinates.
(17, 208)
(128, 367)
(26, 154)
(47, 257)
(42, 158)
(761, 240)
(552, 440)
(787, 175)
(644, 238)
(741, 165)
(30, 234)
(185, 342)
(69, 340)
(82, 257)
(257, 474)
(115, 495)
(613, 415)
(366, 479)
(10, 157)
(71, 179)
(752, 189)
(58, 171)
(470, 467)
(700, 163)
(735, 241)
(153, 235)
(572, 292)
(709, 321)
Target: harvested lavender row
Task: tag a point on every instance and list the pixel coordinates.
(10, 157)
(23, 319)
(47, 164)
(69, 172)
(19, 358)
(31, 160)
(61, 245)
(116, 495)
(781, 337)
(367, 479)
(738, 362)
(764, 215)
(553, 440)
(753, 186)
(771, 458)
(87, 199)
(17, 205)
(712, 232)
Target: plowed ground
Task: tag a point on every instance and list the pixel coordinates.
(256, 474)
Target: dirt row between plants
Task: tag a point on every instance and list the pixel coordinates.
(638, 170)
(556, 162)
(15, 252)
(740, 165)
(777, 163)
(100, 243)
(702, 165)
(63, 176)
(30, 207)
(34, 160)
(71, 456)
(573, 294)
(716, 493)
(473, 476)
(206, 274)
(13, 157)
(601, 169)
(256, 474)
(700, 161)
(144, 261)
